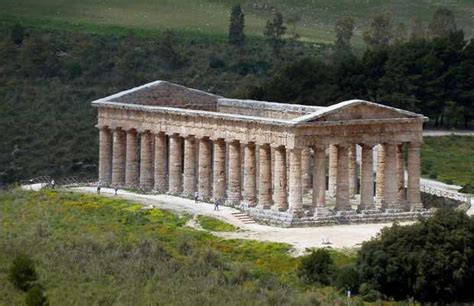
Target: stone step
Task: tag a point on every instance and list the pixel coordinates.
(244, 218)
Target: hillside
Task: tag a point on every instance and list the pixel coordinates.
(314, 20)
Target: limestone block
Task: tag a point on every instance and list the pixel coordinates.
(342, 184)
(280, 194)
(332, 170)
(250, 171)
(352, 171)
(296, 192)
(413, 167)
(401, 195)
(265, 177)
(219, 178)
(319, 177)
(389, 200)
(380, 174)
(367, 179)
(306, 169)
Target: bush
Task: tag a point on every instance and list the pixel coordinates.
(22, 273)
(468, 188)
(431, 260)
(318, 267)
(35, 297)
(347, 278)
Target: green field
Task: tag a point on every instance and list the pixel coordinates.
(210, 17)
(449, 159)
(91, 250)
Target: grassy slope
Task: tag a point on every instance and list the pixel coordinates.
(211, 17)
(93, 250)
(216, 225)
(449, 159)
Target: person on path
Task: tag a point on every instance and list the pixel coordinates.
(53, 183)
(115, 190)
(196, 197)
(216, 204)
(98, 187)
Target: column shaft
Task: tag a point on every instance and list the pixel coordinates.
(205, 159)
(367, 179)
(332, 170)
(131, 167)
(342, 188)
(390, 182)
(380, 174)
(306, 169)
(219, 170)
(175, 165)
(189, 166)
(250, 172)
(280, 193)
(118, 158)
(319, 177)
(146, 161)
(161, 160)
(401, 195)
(352, 171)
(413, 190)
(234, 193)
(105, 156)
(265, 177)
(295, 198)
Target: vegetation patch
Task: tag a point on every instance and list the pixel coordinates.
(449, 159)
(215, 225)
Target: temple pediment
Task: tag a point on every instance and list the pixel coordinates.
(357, 110)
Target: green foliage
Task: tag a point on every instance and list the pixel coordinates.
(22, 273)
(236, 26)
(443, 23)
(347, 279)
(432, 260)
(274, 31)
(36, 297)
(317, 267)
(449, 159)
(216, 225)
(380, 34)
(17, 34)
(468, 188)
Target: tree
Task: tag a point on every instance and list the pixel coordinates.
(431, 260)
(167, 51)
(344, 32)
(418, 30)
(236, 26)
(400, 34)
(274, 30)
(380, 33)
(22, 273)
(443, 23)
(318, 267)
(17, 34)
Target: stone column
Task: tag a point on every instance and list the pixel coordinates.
(189, 166)
(401, 196)
(380, 173)
(175, 165)
(146, 161)
(367, 178)
(205, 159)
(342, 180)
(332, 170)
(319, 177)
(390, 183)
(306, 169)
(250, 171)
(413, 167)
(131, 164)
(219, 170)
(234, 193)
(118, 158)
(264, 177)
(352, 171)
(280, 195)
(161, 160)
(105, 156)
(296, 192)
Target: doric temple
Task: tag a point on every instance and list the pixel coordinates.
(283, 164)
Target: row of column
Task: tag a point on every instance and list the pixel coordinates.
(160, 166)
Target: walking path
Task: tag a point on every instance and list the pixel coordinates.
(340, 236)
(430, 133)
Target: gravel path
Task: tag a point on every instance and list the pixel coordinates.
(340, 236)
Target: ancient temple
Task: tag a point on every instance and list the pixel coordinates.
(285, 164)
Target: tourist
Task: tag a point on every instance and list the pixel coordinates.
(98, 187)
(196, 197)
(216, 204)
(115, 190)
(53, 183)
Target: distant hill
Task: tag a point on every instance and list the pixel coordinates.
(315, 18)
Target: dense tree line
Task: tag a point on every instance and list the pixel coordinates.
(431, 76)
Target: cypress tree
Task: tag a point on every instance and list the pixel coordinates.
(236, 26)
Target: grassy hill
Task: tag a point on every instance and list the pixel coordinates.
(210, 17)
(90, 250)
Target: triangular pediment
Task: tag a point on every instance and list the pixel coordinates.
(357, 110)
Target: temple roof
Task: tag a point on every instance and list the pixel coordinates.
(162, 96)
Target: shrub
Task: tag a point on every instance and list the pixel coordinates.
(468, 188)
(35, 297)
(318, 267)
(213, 224)
(347, 278)
(22, 273)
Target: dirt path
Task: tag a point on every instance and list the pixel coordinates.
(341, 236)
